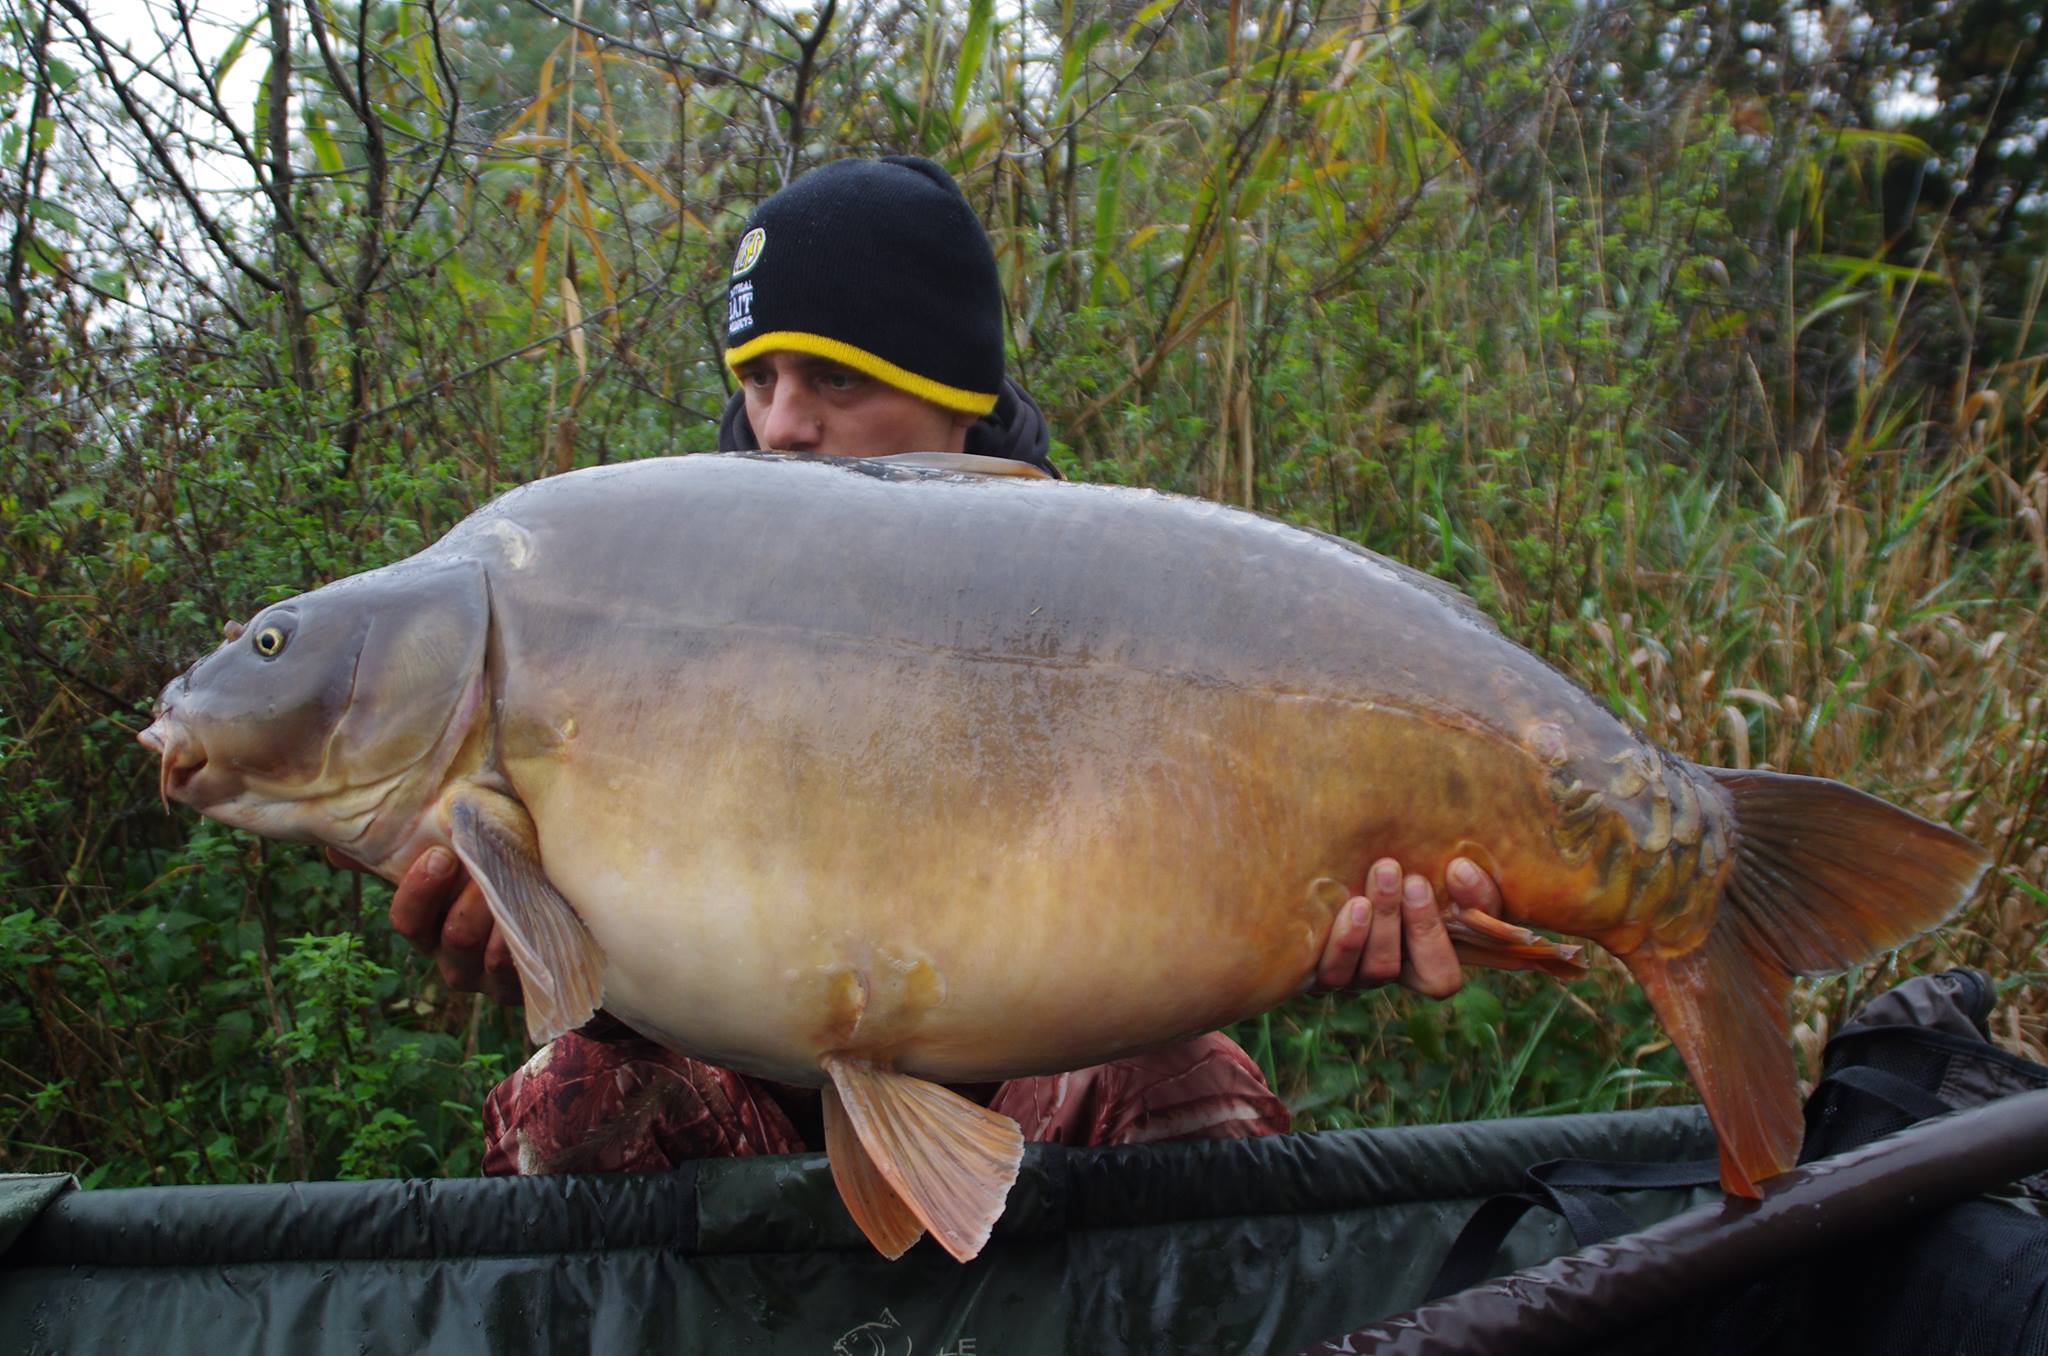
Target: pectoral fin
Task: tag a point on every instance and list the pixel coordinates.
(561, 968)
(943, 1160)
(1482, 939)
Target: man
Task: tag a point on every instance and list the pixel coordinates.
(864, 318)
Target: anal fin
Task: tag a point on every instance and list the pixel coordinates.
(881, 1214)
(949, 1162)
(561, 967)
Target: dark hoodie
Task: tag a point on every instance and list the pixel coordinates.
(1013, 430)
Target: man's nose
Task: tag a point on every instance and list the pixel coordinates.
(793, 423)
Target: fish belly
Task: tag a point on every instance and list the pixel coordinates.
(974, 870)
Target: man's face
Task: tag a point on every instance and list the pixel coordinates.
(800, 403)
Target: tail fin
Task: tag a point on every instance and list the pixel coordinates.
(1824, 877)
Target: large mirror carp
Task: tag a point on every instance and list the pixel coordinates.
(881, 777)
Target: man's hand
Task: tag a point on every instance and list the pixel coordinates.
(440, 910)
(1395, 931)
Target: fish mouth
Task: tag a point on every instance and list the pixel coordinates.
(183, 758)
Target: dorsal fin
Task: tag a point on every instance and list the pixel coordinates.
(964, 463)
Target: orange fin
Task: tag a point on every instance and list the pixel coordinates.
(561, 967)
(1824, 877)
(1725, 1011)
(1482, 939)
(951, 1162)
(881, 1214)
(1832, 876)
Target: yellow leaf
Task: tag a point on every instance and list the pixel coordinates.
(539, 105)
(572, 313)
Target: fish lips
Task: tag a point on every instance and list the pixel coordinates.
(182, 762)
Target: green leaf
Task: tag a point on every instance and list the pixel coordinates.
(1883, 142)
(1826, 308)
(1855, 268)
(1147, 15)
(973, 47)
(58, 215)
(261, 119)
(44, 259)
(398, 122)
(1424, 1030)
(1109, 184)
(325, 153)
(1476, 1014)
(234, 49)
(466, 284)
(419, 56)
(1073, 63)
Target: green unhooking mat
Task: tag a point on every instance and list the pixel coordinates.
(1218, 1246)
(1396, 1242)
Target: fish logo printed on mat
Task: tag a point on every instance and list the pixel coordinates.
(877, 1337)
(751, 245)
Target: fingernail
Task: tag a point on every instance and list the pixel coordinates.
(1385, 876)
(1416, 891)
(1464, 873)
(438, 863)
(1358, 912)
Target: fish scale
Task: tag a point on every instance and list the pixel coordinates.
(885, 775)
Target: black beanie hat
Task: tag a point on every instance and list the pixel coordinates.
(880, 265)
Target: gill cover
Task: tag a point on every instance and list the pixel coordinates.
(344, 686)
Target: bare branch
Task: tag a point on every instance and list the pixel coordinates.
(669, 59)
(166, 162)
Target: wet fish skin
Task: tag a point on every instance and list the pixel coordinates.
(959, 779)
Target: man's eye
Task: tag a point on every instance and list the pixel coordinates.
(841, 379)
(756, 378)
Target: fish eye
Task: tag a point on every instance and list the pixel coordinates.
(270, 642)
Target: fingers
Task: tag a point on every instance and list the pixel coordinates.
(473, 956)
(465, 933)
(1395, 931)
(1471, 888)
(1431, 966)
(423, 897)
(1382, 964)
(1366, 935)
(501, 976)
(437, 908)
(1339, 965)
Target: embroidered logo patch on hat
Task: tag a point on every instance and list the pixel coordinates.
(751, 245)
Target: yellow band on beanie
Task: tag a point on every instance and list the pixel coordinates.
(860, 360)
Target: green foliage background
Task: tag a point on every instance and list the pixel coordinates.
(1705, 359)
